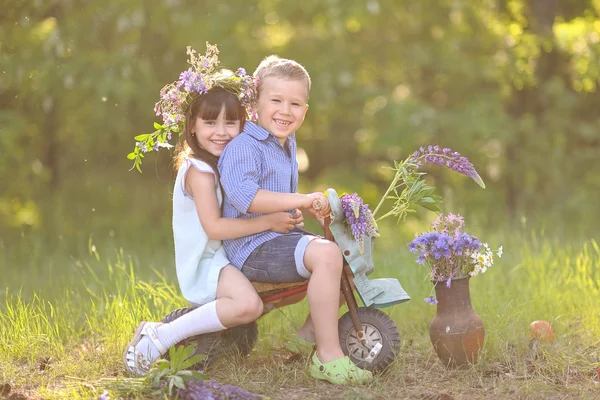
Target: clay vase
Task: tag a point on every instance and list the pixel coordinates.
(456, 331)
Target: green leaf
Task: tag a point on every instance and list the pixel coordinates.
(157, 126)
(431, 207)
(189, 375)
(131, 156)
(175, 353)
(192, 361)
(142, 137)
(178, 381)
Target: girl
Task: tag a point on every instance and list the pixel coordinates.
(224, 295)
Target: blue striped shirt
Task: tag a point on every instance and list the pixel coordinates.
(254, 160)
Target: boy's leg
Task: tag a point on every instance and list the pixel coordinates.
(323, 259)
(279, 260)
(293, 257)
(307, 330)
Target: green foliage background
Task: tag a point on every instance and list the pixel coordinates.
(511, 84)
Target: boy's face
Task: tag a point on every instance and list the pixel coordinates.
(282, 106)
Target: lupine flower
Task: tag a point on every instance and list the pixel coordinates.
(447, 158)
(431, 300)
(197, 390)
(359, 218)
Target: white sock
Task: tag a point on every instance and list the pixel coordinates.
(203, 319)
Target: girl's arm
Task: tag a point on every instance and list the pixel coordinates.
(201, 186)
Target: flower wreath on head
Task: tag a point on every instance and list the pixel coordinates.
(177, 97)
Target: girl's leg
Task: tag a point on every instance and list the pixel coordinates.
(237, 304)
(237, 300)
(323, 259)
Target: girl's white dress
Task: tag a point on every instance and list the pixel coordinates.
(198, 259)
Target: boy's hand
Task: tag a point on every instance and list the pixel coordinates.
(319, 205)
(299, 218)
(281, 222)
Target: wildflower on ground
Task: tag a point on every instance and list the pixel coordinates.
(196, 390)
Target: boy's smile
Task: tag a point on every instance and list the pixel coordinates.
(282, 106)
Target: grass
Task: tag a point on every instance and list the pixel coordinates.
(65, 320)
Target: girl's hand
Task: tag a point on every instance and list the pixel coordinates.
(281, 222)
(299, 218)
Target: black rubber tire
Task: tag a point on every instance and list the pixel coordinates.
(240, 339)
(379, 327)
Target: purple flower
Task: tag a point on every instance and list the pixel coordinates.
(104, 396)
(240, 72)
(431, 300)
(445, 157)
(197, 390)
(359, 217)
(446, 250)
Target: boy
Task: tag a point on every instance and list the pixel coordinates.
(259, 175)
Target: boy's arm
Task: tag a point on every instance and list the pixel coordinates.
(201, 186)
(265, 202)
(240, 178)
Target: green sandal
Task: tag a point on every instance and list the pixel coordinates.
(339, 372)
(300, 346)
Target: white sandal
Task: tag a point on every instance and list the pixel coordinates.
(136, 362)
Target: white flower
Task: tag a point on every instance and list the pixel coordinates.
(165, 145)
(499, 252)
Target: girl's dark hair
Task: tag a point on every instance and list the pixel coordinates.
(207, 107)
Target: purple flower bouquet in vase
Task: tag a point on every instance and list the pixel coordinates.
(457, 332)
(453, 257)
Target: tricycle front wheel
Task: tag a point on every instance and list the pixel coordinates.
(378, 328)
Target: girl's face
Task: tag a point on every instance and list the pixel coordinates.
(213, 135)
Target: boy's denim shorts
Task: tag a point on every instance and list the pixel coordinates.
(280, 260)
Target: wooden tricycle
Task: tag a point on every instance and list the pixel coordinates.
(367, 335)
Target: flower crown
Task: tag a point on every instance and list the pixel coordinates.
(176, 98)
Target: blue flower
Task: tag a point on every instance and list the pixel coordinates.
(431, 300)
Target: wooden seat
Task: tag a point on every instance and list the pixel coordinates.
(263, 287)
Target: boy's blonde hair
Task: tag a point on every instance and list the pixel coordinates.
(281, 68)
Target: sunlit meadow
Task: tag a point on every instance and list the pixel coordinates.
(62, 333)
